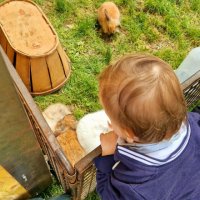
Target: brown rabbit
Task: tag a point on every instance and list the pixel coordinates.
(71, 147)
(109, 17)
(65, 131)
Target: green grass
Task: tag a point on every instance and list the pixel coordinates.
(53, 190)
(60, 6)
(167, 28)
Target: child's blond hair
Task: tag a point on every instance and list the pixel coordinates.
(142, 94)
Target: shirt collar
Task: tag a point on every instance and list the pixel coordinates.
(158, 153)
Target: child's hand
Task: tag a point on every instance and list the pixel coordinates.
(108, 143)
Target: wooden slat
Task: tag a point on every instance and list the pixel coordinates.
(3, 40)
(55, 69)
(40, 75)
(23, 69)
(10, 53)
(1, 33)
(87, 161)
(65, 60)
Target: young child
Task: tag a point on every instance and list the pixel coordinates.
(158, 157)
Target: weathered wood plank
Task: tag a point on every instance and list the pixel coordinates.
(20, 155)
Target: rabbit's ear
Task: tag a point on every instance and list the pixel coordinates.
(107, 16)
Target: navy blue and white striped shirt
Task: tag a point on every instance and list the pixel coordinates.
(169, 170)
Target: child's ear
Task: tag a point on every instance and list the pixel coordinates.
(130, 137)
(129, 140)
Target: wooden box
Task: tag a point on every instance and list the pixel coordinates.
(23, 170)
(33, 47)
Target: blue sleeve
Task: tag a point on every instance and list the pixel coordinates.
(104, 163)
(108, 187)
(104, 166)
(194, 117)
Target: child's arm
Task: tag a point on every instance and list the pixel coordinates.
(104, 166)
(105, 163)
(109, 186)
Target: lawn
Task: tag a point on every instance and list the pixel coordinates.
(168, 29)
(165, 28)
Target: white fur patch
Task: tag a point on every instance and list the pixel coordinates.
(89, 129)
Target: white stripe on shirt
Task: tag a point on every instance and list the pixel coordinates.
(160, 156)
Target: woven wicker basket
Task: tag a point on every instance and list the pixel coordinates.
(81, 178)
(33, 47)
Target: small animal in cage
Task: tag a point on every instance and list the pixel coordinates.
(90, 127)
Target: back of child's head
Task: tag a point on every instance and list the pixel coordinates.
(142, 94)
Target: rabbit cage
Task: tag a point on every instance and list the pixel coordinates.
(80, 178)
(33, 47)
